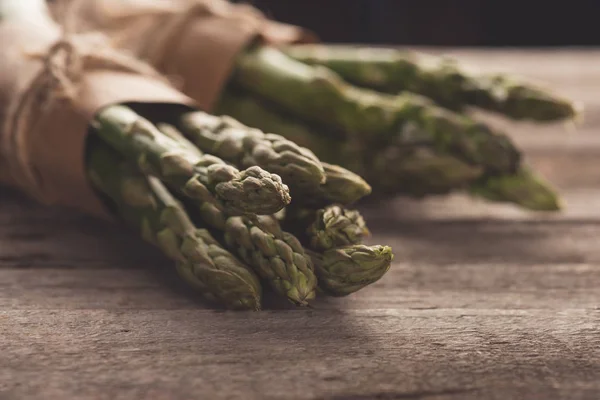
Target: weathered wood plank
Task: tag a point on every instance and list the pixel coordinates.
(407, 285)
(389, 354)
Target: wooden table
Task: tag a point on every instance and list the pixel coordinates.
(483, 301)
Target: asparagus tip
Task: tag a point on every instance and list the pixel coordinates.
(255, 191)
(343, 186)
(540, 105)
(301, 295)
(524, 189)
(343, 271)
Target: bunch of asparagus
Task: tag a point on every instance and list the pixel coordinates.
(210, 193)
(398, 119)
(194, 205)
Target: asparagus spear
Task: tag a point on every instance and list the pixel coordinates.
(317, 94)
(333, 236)
(439, 78)
(342, 186)
(524, 188)
(243, 146)
(336, 226)
(277, 256)
(256, 112)
(201, 177)
(419, 170)
(174, 133)
(148, 207)
(326, 228)
(345, 270)
(311, 181)
(411, 165)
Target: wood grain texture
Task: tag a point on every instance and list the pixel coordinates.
(483, 301)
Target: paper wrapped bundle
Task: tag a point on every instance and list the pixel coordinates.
(51, 87)
(85, 126)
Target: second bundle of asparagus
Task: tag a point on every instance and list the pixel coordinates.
(403, 143)
(398, 119)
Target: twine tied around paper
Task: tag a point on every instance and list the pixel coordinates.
(63, 66)
(192, 42)
(157, 47)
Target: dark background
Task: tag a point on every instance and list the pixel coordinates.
(521, 23)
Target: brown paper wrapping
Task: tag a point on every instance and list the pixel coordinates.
(194, 42)
(50, 89)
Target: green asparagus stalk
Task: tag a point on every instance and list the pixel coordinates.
(524, 188)
(255, 112)
(316, 94)
(277, 256)
(273, 254)
(310, 180)
(148, 207)
(200, 177)
(245, 147)
(345, 270)
(418, 170)
(326, 228)
(439, 78)
(333, 237)
(174, 133)
(342, 186)
(336, 226)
